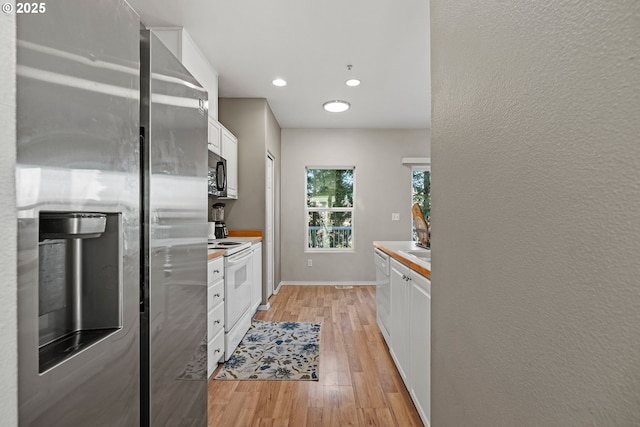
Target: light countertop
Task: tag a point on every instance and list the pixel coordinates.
(397, 250)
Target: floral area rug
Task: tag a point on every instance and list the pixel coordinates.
(275, 351)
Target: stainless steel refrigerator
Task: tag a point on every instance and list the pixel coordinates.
(111, 183)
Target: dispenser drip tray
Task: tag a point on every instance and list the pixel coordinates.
(64, 347)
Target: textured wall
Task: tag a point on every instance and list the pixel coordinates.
(383, 186)
(8, 232)
(536, 213)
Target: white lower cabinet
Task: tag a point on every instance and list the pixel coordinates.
(420, 344)
(215, 313)
(399, 318)
(256, 284)
(411, 334)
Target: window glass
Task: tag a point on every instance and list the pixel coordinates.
(329, 204)
(421, 192)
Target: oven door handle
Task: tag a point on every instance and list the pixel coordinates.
(235, 261)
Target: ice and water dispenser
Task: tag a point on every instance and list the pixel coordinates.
(79, 282)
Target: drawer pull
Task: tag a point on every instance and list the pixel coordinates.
(216, 271)
(216, 295)
(216, 322)
(217, 350)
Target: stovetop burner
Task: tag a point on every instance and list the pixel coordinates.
(230, 246)
(225, 243)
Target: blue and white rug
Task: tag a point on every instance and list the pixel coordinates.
(275, 351)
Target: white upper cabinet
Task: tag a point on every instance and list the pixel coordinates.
(230, 153)
(215, 135)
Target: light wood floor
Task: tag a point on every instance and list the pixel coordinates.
(358, 386)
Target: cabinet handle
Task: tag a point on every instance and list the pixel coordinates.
(216, 271)
(217, 350)
(216, 322)
(216, 295)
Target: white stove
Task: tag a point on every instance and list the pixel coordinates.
(229, 245)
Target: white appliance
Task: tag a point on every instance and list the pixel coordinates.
(383, 293)
(237, 290)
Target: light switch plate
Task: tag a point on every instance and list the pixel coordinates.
(395, 216)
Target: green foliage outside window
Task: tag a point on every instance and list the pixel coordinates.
(330, 208)
(422, 191)
(421, 184)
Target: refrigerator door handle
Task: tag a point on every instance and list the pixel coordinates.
(144, 219)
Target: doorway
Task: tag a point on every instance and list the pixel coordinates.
(270, 249)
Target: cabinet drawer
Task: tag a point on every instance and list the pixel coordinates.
(215, 270)
(215, 321)
(215, 352)
(215, 294)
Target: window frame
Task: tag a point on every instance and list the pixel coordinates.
(307, 210)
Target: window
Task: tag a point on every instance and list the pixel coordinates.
(330, 195)
(421, 192)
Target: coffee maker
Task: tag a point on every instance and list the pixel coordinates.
(217, 216)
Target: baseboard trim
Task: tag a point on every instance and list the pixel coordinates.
(324, 283)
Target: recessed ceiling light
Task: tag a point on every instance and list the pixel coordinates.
(352, 82)
(336, 106)
(279, 82)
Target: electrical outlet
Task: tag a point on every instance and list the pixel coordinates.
(309, 262)
(395, 216)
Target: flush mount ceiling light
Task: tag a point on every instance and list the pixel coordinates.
(279, 82)
(352, 81)
(336, 106)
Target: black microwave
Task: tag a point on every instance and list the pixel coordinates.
(217, 182)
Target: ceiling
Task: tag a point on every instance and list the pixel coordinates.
(309, 43)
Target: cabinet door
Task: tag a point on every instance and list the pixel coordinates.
(214, 136)
(230, 153)
(400, 318)
(420, 344)
(256, 291)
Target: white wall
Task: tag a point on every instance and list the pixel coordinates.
(536, 213)
(8, 231)
(383, 186)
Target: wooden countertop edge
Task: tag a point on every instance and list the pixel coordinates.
(245, 233)
(412, 265)
(215, 254)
